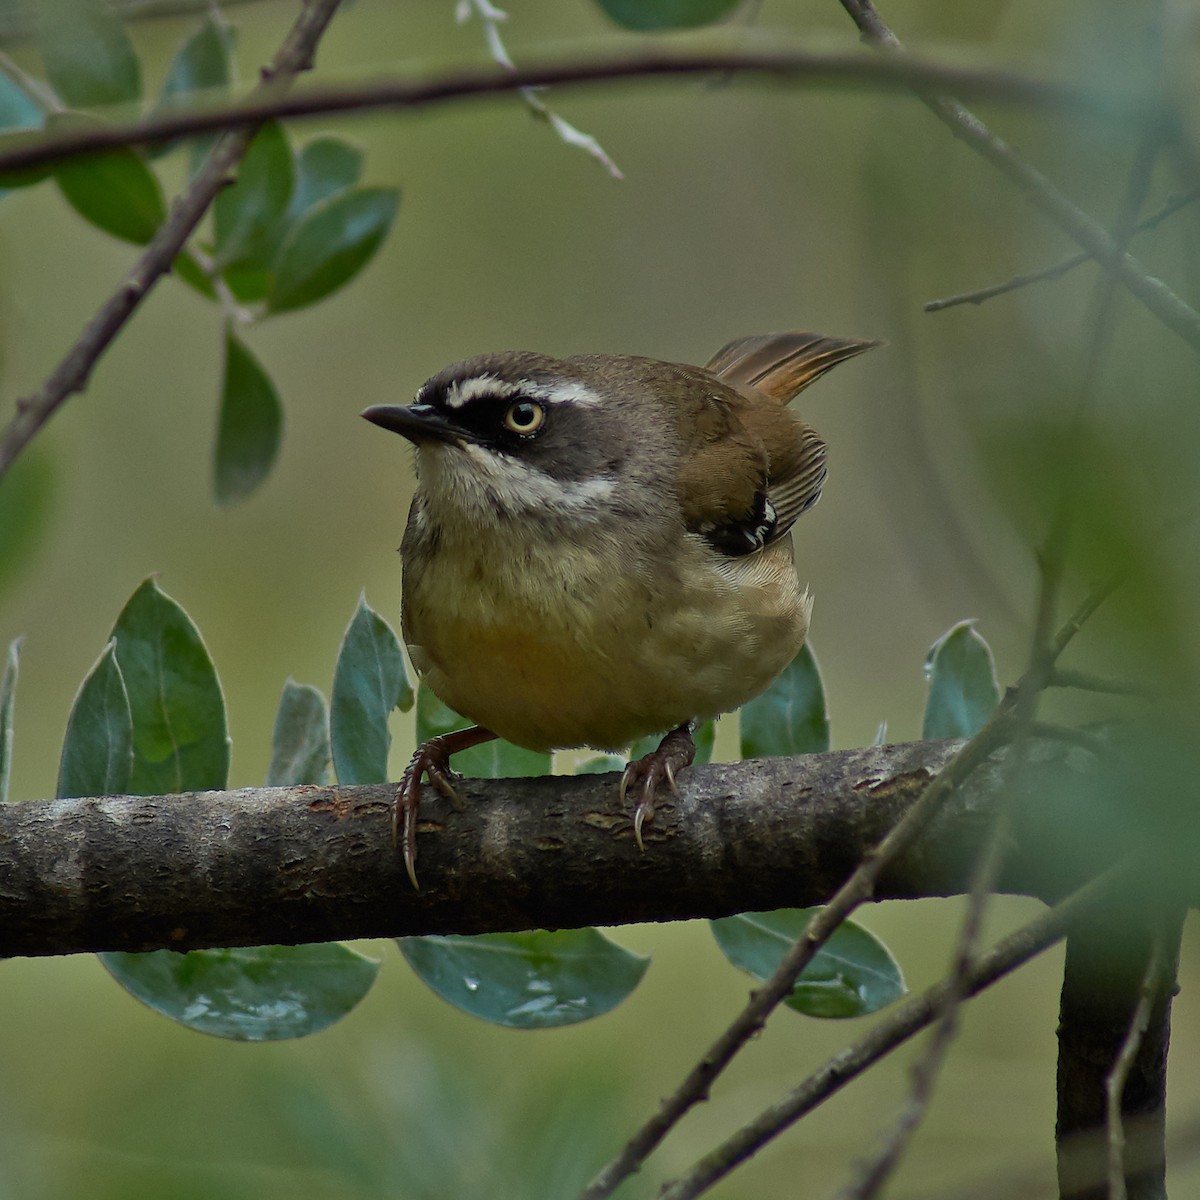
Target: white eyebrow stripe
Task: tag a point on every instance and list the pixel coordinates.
(466, 390)
(566, 392)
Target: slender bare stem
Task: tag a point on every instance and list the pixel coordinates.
(1037, 189)
(902, 1023)
(1059, 269)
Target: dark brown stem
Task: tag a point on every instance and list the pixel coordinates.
(1106, 974)
(316, 863)
(798, 66)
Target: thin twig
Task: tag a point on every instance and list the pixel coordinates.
(925, 1072)
(906, 1020)
(72, 373)
(1036, 187)
(1085, 681)
(903, 72)
(1115, 1084)
(855, 891)
(1059, 269)
(491, 16)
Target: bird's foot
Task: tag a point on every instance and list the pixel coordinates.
(431, 761)
(674, 752)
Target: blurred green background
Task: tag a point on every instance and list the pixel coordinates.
(746, 207)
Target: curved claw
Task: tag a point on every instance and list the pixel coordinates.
(432, 761)
(675, 751)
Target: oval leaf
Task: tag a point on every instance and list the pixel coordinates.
(8, 690)
(248, 217)
(602, 764)
(201, 64)
(300, 744)
(87, 54)
(963, 690)
(535, 980)
(255, 994)
(180, 742)
(27, 494)
(17, 110)
(329, 245)
(249, 427)
(116, 191)
(496, 759)
(666, 14)
(325, 166)
(790, 716)
(369, 681)
(852, 975)
(97, 753)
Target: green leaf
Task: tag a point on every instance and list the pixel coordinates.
(8, 689)
(852, 975)
(496, 759)
(249, 427)
(116, 191)
(27, 493)
(180, 742)
(88, 56)
(188, 270)
(369, 681)
(22, 177)
(97, 753)
(256, 994)
(329, 245)
(325, 166)
(300, 744)
(535, 980)
(602, 764)
(248, 217)
(17, 110)
(202, 63)
(666, 14)
(963, 691)
(790, 716)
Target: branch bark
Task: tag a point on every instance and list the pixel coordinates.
(1108, 971)
(796, 66)
(288, 865)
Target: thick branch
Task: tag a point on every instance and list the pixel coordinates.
(280, 865)
(795, 66)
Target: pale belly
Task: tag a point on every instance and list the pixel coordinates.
(601, 659)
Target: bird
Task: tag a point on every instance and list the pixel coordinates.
(599, 548)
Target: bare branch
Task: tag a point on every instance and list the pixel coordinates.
(1119, 1076)
(894, 1030)
(1059, 269)
(796, 66)
(1037, 189)
(72, 373)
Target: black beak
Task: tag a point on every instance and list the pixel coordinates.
(417, 422)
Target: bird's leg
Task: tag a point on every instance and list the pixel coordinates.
(432, 760)
(674, 752)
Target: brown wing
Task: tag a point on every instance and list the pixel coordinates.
(753, 468)
(782, 364)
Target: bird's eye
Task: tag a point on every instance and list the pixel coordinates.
(524, 418)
